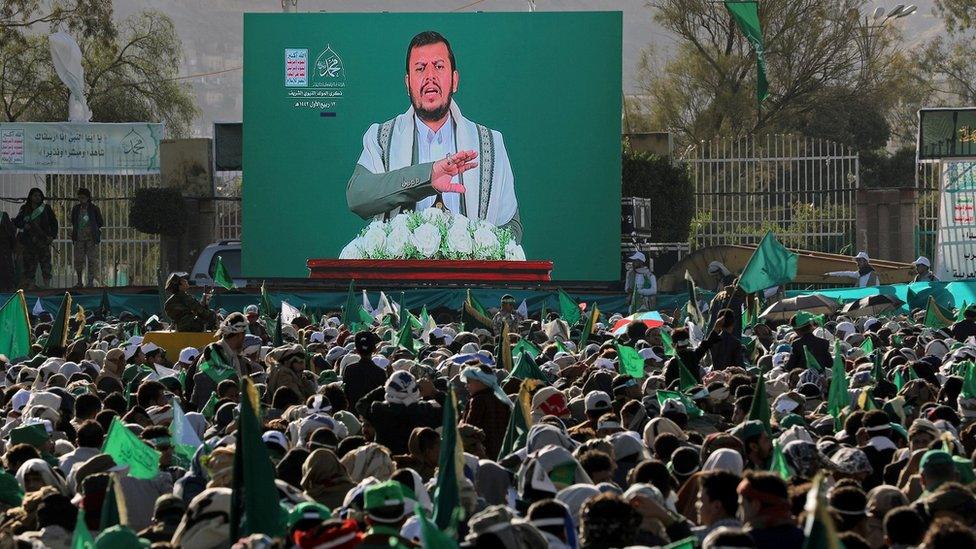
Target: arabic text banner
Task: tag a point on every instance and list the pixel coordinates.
(53, 147)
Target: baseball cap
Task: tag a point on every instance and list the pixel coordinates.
(308, 510)
(922, 260)
(384, 501)
(188, 355)
(935, 457)
(597, 401)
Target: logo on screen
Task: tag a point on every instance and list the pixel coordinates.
(328, 72)
(296, 68)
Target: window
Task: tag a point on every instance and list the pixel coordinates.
(232, 261)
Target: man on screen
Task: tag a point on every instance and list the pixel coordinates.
(431, 155)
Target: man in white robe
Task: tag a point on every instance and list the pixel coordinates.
(431, 155)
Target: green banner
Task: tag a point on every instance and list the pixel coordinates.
(746, 16)
(68, 147)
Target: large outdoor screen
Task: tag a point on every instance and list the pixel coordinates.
(509, 119)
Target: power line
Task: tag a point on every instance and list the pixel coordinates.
(466, 6)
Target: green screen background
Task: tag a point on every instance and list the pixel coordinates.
(549, 82)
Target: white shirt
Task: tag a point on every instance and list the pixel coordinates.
(431, 147)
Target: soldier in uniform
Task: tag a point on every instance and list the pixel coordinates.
(187, 314)
(506, 315)
(38, 228)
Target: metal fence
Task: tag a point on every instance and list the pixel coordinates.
(802, 189)
(927, 183)
(126, 256)
(228, 206)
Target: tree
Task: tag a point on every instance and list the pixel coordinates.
(951, 60)
(130, 69)
(817, 53)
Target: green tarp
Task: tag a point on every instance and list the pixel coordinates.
(947, 295)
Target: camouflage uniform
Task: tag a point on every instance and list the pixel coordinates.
(501, 317)
(188, 314)
(37, 233)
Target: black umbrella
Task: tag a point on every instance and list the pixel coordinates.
(872, 305)
(785, 309)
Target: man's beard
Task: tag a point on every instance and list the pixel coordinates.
(428, 115)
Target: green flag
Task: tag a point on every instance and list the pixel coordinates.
(255, 505)
(447, 494)
(876, 371)
(266, 308)
(868, 345)
(81, 538)
(215, 366)
(15, 327)
(686, 380)
(899, 380)
(631, 362)
(667, 343)
(760, 404)
(405, 339)
(58, 337)
(935, 317)
(969, 381)
(560, 347)
(691, 408)
(526, 346)
(350, 311)
(568, 308)
(746, 16)
(591, 320)
(221, 276)
(472, 311)
(812, 362)
(210, 408)
(770, 265)
(778, 464)
(128, 449)
(110, 506)
(185, 439)
(526, 368)
(430, 536)
(694, 312)
(838, 397)
(519, 420)
(819, 530)
(687, 543)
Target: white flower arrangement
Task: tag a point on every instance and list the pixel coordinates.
(433, 234)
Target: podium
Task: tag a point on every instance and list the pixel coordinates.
(430, 270)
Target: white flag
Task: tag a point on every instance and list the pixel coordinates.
(38, 308)
(523, 309)
(366, 305)
(185, 439)
(288, 312)
(383, 307)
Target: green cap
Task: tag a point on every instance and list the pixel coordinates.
(119, 537)
(11, 493)
(748, 430)
(34, 434)
(328, 376)
(802, 318)
(936, 457)
(790, 420)
(308, 510)
(385, 494)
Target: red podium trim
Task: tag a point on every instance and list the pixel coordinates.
(434, 270)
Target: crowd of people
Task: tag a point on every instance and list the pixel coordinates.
(726, 433)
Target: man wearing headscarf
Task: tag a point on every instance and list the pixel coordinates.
(506, 315)
(488, 407)
(324, 479)
(287, 366)
(362, 377)
(220, 360)
(396, 409)
(819, 349)
(766, 511)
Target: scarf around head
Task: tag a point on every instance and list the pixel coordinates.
(402, 388)
(488, 379)
(324, 479)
